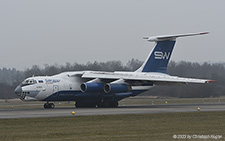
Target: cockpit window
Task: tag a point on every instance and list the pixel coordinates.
(29, 82)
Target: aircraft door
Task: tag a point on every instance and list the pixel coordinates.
(55, 88)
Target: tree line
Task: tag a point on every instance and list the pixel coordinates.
(10, 78)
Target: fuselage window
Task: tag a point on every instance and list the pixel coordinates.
(40, 81)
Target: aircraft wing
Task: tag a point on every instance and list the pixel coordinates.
(157, 78)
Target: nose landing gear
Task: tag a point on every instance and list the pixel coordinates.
(22, 96)
(49, 105)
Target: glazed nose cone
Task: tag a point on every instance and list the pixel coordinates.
(18, 90)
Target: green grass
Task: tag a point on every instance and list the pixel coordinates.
(114, 127)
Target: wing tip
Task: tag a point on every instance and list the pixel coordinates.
(210, 81)
(204, 33)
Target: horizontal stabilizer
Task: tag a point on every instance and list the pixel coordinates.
(171, 37)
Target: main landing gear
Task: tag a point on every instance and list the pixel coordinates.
(108, 104)
(103, 104)
(49, 105)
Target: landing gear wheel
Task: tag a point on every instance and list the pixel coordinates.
(114, 104)
(78, 105)
(108, 104)
(52, 105)
(85, 105)
(49, 105)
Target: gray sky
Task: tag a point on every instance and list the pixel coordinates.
(59, 31)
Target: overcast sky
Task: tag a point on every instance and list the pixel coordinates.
(59, 31)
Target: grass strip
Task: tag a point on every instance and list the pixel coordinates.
(114, 127)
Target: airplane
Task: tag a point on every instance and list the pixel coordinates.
(105, 89)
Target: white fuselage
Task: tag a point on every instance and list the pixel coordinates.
(43, 87)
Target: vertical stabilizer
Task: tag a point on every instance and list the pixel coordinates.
(159, 57)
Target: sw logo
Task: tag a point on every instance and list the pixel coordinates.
(161, 55)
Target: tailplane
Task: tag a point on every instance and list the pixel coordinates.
(159, 57)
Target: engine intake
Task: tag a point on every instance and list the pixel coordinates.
(91, 87)
(117, 88)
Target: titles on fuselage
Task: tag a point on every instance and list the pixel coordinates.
(51, 81)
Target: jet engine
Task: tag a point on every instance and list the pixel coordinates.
(118, 86)
(92, 86)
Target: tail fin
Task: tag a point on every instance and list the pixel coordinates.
(159, 57)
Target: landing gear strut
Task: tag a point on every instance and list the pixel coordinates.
(49, 105)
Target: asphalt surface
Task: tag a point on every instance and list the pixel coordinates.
(129, 109)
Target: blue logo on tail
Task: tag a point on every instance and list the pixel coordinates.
(160, 56)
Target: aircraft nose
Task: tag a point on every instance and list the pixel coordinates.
(18, 90)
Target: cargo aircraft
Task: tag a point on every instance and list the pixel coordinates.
(105, 89)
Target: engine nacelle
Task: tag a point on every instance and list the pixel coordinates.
(117, 88)
(92, 87)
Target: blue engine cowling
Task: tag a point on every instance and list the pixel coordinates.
(117, 88)
(92, 87)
